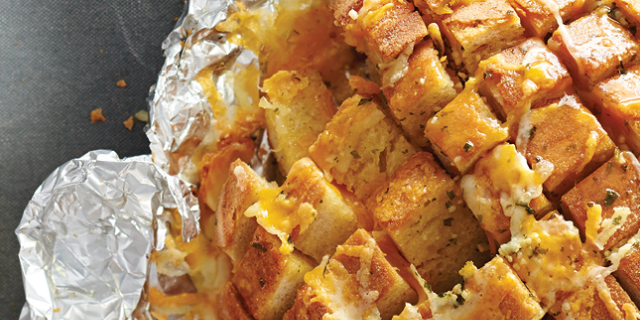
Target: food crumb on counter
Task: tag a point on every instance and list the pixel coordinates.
(129, 123)
(142, 115)
(96, 115)
(121, 83)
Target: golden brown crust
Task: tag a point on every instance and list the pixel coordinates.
(628, 274)
(601, 45)
(522, 77)
(621, 176)
(234, 230)
(538, 19)
(567, 135)
(449, 130)
(480, 29)
(297, 108)
(397, 28)
(267, 279)
(422, 210)
(361, 147)
(424, 90)
(230, 304)
(358, 267)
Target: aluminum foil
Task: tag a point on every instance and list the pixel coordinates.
(87, 233)
(179, 110)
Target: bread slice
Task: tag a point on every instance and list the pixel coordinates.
(297, 106)
(522, 77)
(267, 279)
(596, 49)
(422, 209)
(566, 134)
(614, 186)
(538, 18)
(233, 229)
(424, 90)
(307, 212)
(357, 281)
(361, 146)
(480, 29)
(215, 167)
(457, 146)
(613, 102)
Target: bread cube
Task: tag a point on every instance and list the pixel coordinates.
(498, 184)
(628, 273)
(613, 100)
(424, 90)
(520, 78)
(422, 209)
(233, 229)
(361, 146)
(457, 146)
(230, 304)
(590, 305)
(382, 30)
(306, 212)
(267, 279)
(297, 107)
(566, 134)
(479, 30)
(215, 167)
(496, 292)
(538, 18)
(344, 286)
(596, 49)
(614, 187)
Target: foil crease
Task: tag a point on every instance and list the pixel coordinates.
(179, 110)
(87, 234)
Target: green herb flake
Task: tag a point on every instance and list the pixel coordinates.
(259, 247)
(448, 204)
(447, 222)
(611, 197)
(364, 101)
(451, 195)
(532, 132)
(262, 283)
(289, 238)
(616, 220)
(468, 146)
(355, 154)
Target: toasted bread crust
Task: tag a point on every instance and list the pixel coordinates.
(621, 175)
(234, 230)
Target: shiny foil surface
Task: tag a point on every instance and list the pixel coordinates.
(87, 233)
(180, 114)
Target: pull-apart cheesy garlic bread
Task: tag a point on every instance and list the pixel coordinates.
(431, 159)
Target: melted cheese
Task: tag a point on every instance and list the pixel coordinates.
(346, 296)
(279, 215)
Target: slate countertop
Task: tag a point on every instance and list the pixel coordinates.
(58, 61)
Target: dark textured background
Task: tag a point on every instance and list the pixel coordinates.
(58, 61)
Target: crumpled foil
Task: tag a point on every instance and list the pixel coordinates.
(87, 233)
(179, 110)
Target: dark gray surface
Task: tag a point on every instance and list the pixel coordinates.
(58, 61)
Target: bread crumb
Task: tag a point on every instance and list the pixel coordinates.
(100, 50)
(129, 123)
(142, 115)
(56, 310)
(96, 115)
(121, 83)
(175, 19)
(15, 42)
